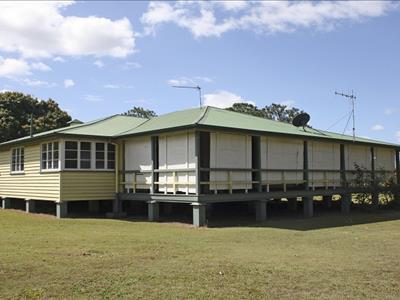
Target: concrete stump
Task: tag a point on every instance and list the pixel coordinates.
(6, 203)
(199, 214)
(30, 206)
(61, 209)
(153, 208)
(308, 207)
(345, 203)
(261, 211)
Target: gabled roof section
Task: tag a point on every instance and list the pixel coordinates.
(178, 119)
(105, 128)
(220, 118)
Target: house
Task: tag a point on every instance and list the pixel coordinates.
(197, 156)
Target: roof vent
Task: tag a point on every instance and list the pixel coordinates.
(75, 122)
(301, 120)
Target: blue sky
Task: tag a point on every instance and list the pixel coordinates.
(102, 58)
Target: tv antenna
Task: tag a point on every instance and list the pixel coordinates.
(195, 87)
(352, 98)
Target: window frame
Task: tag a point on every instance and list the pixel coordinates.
(60, 149)
(93, 158)
(19, 161)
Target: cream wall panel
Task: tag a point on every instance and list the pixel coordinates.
(230, 151)
(385, 159)
(281, 153)
(357, 154)
(33, 184)
(138, 157)
(325, 156)
(177, 151)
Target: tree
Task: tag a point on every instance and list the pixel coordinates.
(277, 112)
(246, 108)
(140, 112)
(280, 112)
(15, 113)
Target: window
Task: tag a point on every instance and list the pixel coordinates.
(110, 156)
(71, 155)
(86, 157)
(50, 156)
(100, 156)
(17, 160)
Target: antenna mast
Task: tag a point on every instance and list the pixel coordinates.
(352, 98)
(190, 87)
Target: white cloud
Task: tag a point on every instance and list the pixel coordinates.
(204, 19)
(132, 65)
(36, 82)
(223, 99)
(68, 83)
(13, 68)
(40, 66)
(4, 91)
(391, 111)
(93, 98)
(112, 86)
(59, 59)
(98, 63)
(39, 29)
(377, 127)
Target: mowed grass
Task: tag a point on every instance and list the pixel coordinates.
(327, 257)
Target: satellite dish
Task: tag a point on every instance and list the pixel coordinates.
(301, 120)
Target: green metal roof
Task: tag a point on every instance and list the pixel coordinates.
(220, 118)
(105, 128)
(210, 117)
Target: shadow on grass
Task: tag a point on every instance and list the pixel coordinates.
(321, 220)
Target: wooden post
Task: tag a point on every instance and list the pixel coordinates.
(153, 147)
(305, 166)
(342, 167)
(6, 203)
(398, 166)
(199, 214)
(123, 160)
(197, 158)
(345, 203)
(375, 195)
(256, 162)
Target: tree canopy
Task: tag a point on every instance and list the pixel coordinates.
(277, 112)
(140, 112)
(15, 113)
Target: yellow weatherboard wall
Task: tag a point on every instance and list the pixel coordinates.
(32, 184)
(87, 185)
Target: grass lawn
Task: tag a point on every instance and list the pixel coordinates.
(327, 257)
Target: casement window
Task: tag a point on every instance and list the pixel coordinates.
(100, 155)
(17, 160)
(71, 155)
(110, 156)
(50, 156)
(85, 155)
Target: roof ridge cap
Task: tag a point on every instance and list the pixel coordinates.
(122, 133)
(202, 115)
